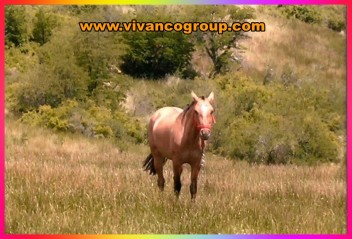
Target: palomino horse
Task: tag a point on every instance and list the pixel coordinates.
(180, 135)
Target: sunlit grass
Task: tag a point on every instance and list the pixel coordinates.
(69, 184)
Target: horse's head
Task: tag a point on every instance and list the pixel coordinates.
(203, 114)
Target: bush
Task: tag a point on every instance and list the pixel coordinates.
(316, 142)
(308, 14)
(88, 119)
(336, 25)
(257, 137)
(274, 124)
(53, 118)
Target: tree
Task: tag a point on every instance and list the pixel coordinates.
(99, 53)
(217, 46)
(15, 25)
(43, 26)
(155, 54)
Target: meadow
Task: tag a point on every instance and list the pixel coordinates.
(59, 183)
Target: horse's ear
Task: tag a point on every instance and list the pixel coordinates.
(211, 98)
(195, 97)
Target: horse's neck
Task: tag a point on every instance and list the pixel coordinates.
(190, 132)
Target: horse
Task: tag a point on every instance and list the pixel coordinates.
(180, 135)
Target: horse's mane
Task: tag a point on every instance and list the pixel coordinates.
(185, 110)
(190, 105)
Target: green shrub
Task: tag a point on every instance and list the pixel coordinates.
(103, 130)
(336, 24)
(258, 137)
(316, 142)
(275, 123)
(308, 14)
(54, 118)
(335, 17)
(88, 119)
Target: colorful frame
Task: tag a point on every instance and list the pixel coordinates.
(160, 2)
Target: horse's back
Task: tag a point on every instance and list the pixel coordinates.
(164, 118)
(160, 129)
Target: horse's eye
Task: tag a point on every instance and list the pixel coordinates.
(212, 112)
(196, 112)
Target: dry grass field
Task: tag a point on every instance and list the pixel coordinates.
(69, 184)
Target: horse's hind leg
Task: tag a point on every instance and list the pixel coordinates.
(159, 162)
(177, 167)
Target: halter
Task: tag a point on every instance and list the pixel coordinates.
(203, 126)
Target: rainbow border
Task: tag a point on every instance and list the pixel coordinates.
(160, 2)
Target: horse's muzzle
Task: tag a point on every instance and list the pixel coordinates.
(205, 133)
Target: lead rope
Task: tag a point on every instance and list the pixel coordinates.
(202, 178)
(202, 161)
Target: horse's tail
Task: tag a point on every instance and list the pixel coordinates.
(148, 164)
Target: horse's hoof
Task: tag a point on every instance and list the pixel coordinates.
(177, 194)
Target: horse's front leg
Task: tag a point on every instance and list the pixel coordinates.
(194, 179)
(177, 167)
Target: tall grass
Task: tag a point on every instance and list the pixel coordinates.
(69, 184)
